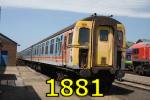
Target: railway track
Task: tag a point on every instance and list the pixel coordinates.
(133, 84)
(130, 72)
(134, 73)
(125, 82)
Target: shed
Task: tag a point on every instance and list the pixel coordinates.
(8, 49)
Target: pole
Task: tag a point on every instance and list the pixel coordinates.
(0, 12)
(0, 46)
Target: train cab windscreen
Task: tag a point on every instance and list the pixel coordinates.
(83, 36)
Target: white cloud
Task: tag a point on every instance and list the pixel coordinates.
(131, 8)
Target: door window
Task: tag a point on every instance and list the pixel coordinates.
(103, 35)
(83, 35)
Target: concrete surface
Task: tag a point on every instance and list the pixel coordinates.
(31, 85)
(145, 80)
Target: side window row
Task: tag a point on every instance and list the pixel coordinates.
(48, 47)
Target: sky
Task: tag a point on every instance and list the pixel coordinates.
(29, 21)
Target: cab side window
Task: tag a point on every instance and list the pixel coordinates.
(70, 38)
(135, 51)
(103, 35)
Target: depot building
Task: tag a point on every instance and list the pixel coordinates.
(8, 50)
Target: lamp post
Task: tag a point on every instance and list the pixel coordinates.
(0, 56)
(0, 44)
(0, 12)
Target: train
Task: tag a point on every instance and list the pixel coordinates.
(128, 62)
(138, 58)
(93, 47)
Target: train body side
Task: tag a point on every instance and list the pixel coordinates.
(140, 52)
(141, 58)
(101, 48)
(51, 51)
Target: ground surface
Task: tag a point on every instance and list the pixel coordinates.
(23, 83)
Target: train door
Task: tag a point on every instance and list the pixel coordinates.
(82, 39)
(67, 50)
(104, 46)
(3, 58)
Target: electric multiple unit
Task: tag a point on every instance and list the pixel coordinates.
(91, 48)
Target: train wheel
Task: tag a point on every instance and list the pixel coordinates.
(35, 67)
(30, 65)
(141, 72)
(39, 68)
(132, 68)
(136, 70)
(60, 76)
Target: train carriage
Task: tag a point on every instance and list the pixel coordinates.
(93, 47)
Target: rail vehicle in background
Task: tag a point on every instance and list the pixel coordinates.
(128, 62)
(93, 47)
(138, 57)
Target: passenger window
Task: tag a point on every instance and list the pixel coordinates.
(38, 50)
(33, 51)
(70, 38)
(43, 48)
(52, 46)
(135, 51)
(103, 35)
(83, 35)
(46, 48)
(57, 45)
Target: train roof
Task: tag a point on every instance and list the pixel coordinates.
(140, 45)
(102, 18)
(71, 26)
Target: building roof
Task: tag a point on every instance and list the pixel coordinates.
(143, 40)
(2, 35)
